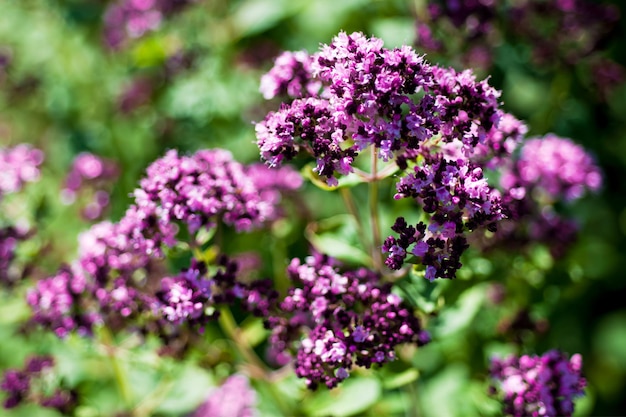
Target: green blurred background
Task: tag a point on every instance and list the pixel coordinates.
(193, 84)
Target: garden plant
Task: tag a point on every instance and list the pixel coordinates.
(292, 208)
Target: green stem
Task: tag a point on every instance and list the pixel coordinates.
(414, 409)
(348, 200)
(228, 324)
(118, 371)
(260, 370)
(151, 401)
(373, 202)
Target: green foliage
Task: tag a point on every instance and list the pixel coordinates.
(63, 93)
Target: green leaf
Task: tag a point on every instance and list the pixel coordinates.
(336, 236)
(460, 315)
(395, 32)
(349, 180)
(253, 331)
(352, 397)
(392, 381)
(444, 393)
(255, 16)
(425, 294)
(150, 52)
(191, 388)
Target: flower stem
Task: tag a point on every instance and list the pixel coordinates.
(229, 326)
(258, 369)
(348, 200)
(118, 371)
(374, 221)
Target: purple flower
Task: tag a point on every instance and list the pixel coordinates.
(18, 165)
(16, 384)
(291, 76)
(90, 175)
(26, 385)
(547, 171)
(500, 142)
(199, 190)
(118, 277)
(557, 166)
(539, 385)
(335, 319)
(458, 198)
(130, 19)
(234, 398)
(368, 98)
(55, 302)
(9, 239)
(185, 297)
(97, 288)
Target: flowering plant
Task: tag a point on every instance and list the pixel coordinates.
(395, 224)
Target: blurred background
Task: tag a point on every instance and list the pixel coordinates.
(126, 80)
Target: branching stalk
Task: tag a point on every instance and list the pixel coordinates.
(120, 376)
(374, 220)
(258, 369)
(348, 200)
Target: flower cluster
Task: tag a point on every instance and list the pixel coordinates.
(576, 29)
(548, 170)
(18, 165)
(102, 286)
(369, 97)
(56, 303)
(10, 236)
(234, 398)
(28, 385)
(539, 385)
(558, 31)
(200, 190)
(119, 277)
(500, 142)
(348, 318)
(97, 283)
(134, 18)
(186, 298)
(458, 198)
(93, 174)
(556, 166)
(291, 76)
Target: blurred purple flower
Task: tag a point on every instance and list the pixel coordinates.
(130, 19)
(539, 385)
(234, 398)
(92, 176)
(26, 386)
(18, 165)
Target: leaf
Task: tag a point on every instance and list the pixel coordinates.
(352, 397)
(336, 236)
(393, 381)
(349, 180)
(191, 388)
(253, 332)
(149, 52)
(425, 294)
(444, 393)
(459, 316)
(395, 31)
(255, 16)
